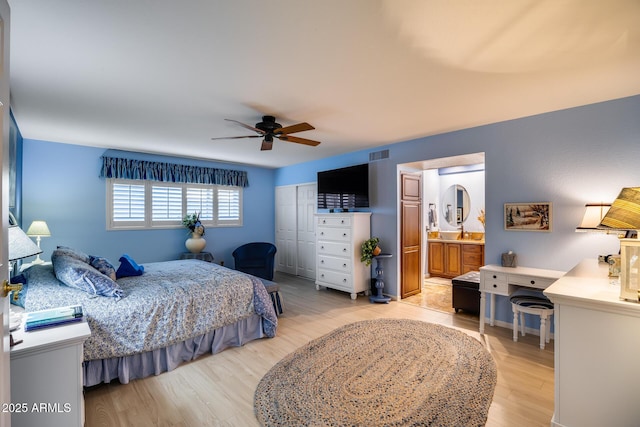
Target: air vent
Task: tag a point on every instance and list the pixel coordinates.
(378, 155)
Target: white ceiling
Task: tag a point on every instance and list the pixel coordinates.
(160, 76)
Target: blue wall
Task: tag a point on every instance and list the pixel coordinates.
(569, 158)
(61, 185)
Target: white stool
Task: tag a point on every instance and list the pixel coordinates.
(531, 302)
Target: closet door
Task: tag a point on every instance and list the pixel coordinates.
(306, 236)
(286, 230)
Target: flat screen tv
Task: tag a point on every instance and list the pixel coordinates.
(345, 188)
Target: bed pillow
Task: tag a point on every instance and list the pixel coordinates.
(128, 267)
(80, 275)
(103, 266)
(74, 253)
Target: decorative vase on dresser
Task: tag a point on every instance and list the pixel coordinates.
(338, 240)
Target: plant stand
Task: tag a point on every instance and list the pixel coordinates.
(380, 280)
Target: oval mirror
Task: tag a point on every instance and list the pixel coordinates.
(456, 205)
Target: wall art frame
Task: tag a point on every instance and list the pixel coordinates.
(536, 216)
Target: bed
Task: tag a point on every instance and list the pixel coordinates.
(174, 312)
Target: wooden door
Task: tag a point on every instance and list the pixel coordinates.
(411, 234)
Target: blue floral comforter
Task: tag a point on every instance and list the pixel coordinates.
(171, 302)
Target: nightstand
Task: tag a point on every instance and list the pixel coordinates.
(202, 256)
(46, 376)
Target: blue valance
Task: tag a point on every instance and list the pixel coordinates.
(115, 167)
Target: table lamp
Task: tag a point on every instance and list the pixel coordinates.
(38, 229)
(624, 215)
(593, 215)
(20, 246)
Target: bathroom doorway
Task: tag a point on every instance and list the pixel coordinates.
(452, 228)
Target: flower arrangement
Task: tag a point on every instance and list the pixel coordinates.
(192, 222)
(369, 247)
(481, 217)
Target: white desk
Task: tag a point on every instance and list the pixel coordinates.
(497, 280)
(597, 348)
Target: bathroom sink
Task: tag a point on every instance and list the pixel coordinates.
(449, 235)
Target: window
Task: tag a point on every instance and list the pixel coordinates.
(151, 204)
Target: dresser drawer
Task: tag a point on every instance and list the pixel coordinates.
(472, 249)
(472, 258)
(336, 279)
(495, 283)
(530, 282)
(333, 248)
(339, 234)
(335, 221)
(332, 263)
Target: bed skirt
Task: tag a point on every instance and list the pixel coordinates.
(168, 358)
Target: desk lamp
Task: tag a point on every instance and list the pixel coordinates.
(624, 215)
(38, 229)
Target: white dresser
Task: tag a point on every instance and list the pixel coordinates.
(46, 376)
(597, 349)
(339, 237)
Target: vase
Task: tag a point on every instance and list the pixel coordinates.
(196, 243)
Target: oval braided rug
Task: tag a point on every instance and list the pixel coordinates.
(384, 372)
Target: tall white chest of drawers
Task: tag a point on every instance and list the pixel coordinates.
(339, 237)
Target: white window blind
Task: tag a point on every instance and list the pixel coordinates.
(133, 204)
(200, 199)
(228, 204)
(128, 202)
(166, 203)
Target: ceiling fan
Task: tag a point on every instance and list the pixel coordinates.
(269, 129)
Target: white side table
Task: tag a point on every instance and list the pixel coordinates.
(46, 376)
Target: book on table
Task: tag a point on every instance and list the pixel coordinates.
(53, 317)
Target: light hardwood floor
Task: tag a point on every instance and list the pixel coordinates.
(217, 390)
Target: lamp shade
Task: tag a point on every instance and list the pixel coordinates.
(38, 228)
(20, 245)
(625, 211)
(593, 215)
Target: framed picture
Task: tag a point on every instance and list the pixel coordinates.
(527, 216)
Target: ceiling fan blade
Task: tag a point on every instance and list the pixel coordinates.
(266, 145)
(260, 131)
(300, 127)
(238, 137)
(298, 140)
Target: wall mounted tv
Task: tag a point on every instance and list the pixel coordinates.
(345, 188)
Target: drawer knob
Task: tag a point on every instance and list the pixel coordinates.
(344, 280)
(322, 275)
(344, 234)
(495, 286)
(344, 265)
(324, 221)
(533, 282)
(494, 276)
(321, 261)
(321, 247)
(344, 249)
(322, 233)
(342, 222)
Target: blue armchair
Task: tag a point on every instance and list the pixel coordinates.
(256, 258)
